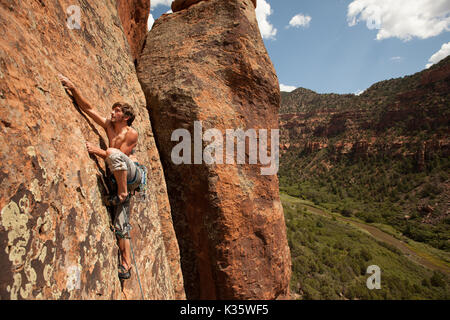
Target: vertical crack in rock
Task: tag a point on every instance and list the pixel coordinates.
(134, 15)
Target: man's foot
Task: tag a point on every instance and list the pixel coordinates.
(124, 273)
(116, 200)
(124, 197)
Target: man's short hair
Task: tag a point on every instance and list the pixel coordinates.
(127, 110)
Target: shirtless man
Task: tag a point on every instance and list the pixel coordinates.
(122, 139)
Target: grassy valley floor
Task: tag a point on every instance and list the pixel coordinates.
(331, 254)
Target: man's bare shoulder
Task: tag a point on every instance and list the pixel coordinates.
(132, 134)
(108, 124)
(109, 127)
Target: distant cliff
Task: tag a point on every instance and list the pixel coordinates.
(381, 155)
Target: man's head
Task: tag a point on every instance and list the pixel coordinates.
(122, 111)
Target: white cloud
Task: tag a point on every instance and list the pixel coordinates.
(396, 59)
(300, 20)
(403, 19)
(438, 56)
(155, 3)
(263, 11)
(286, 88)
(150, 22)
(359, 92)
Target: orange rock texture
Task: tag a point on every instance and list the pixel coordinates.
(178, 5)
(134, 15)
(208, 63)
(55, 237)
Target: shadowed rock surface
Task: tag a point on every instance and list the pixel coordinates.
(134, 15)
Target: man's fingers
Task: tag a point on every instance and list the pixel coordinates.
(65, 82)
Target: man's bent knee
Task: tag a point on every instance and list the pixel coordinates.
(115, 160)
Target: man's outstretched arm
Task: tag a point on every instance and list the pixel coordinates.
(82, 103)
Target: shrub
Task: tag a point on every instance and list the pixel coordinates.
(346, 212)
(437, 279)
(365, 254)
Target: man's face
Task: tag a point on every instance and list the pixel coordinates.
(117, 115)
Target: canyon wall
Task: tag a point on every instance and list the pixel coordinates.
(384, 120)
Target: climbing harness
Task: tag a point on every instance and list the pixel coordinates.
(141, 190)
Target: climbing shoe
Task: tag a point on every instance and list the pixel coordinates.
(115, 200)
(123, 273)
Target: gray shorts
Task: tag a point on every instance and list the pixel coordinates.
(119, 161)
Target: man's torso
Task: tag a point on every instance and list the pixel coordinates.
(118, 140)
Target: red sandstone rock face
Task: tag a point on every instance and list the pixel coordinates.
(55, 240)
(435, 75)
(178, 5)
(134, 15)
(416, 103)
(228, 217)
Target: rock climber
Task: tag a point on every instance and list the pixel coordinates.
(122, 140)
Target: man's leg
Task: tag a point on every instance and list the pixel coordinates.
(122, 226)
(121, 178)
(122, 168)
(124, 247)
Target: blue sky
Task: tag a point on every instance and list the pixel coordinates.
(345, 46)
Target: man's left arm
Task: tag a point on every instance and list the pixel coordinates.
(92, 149)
